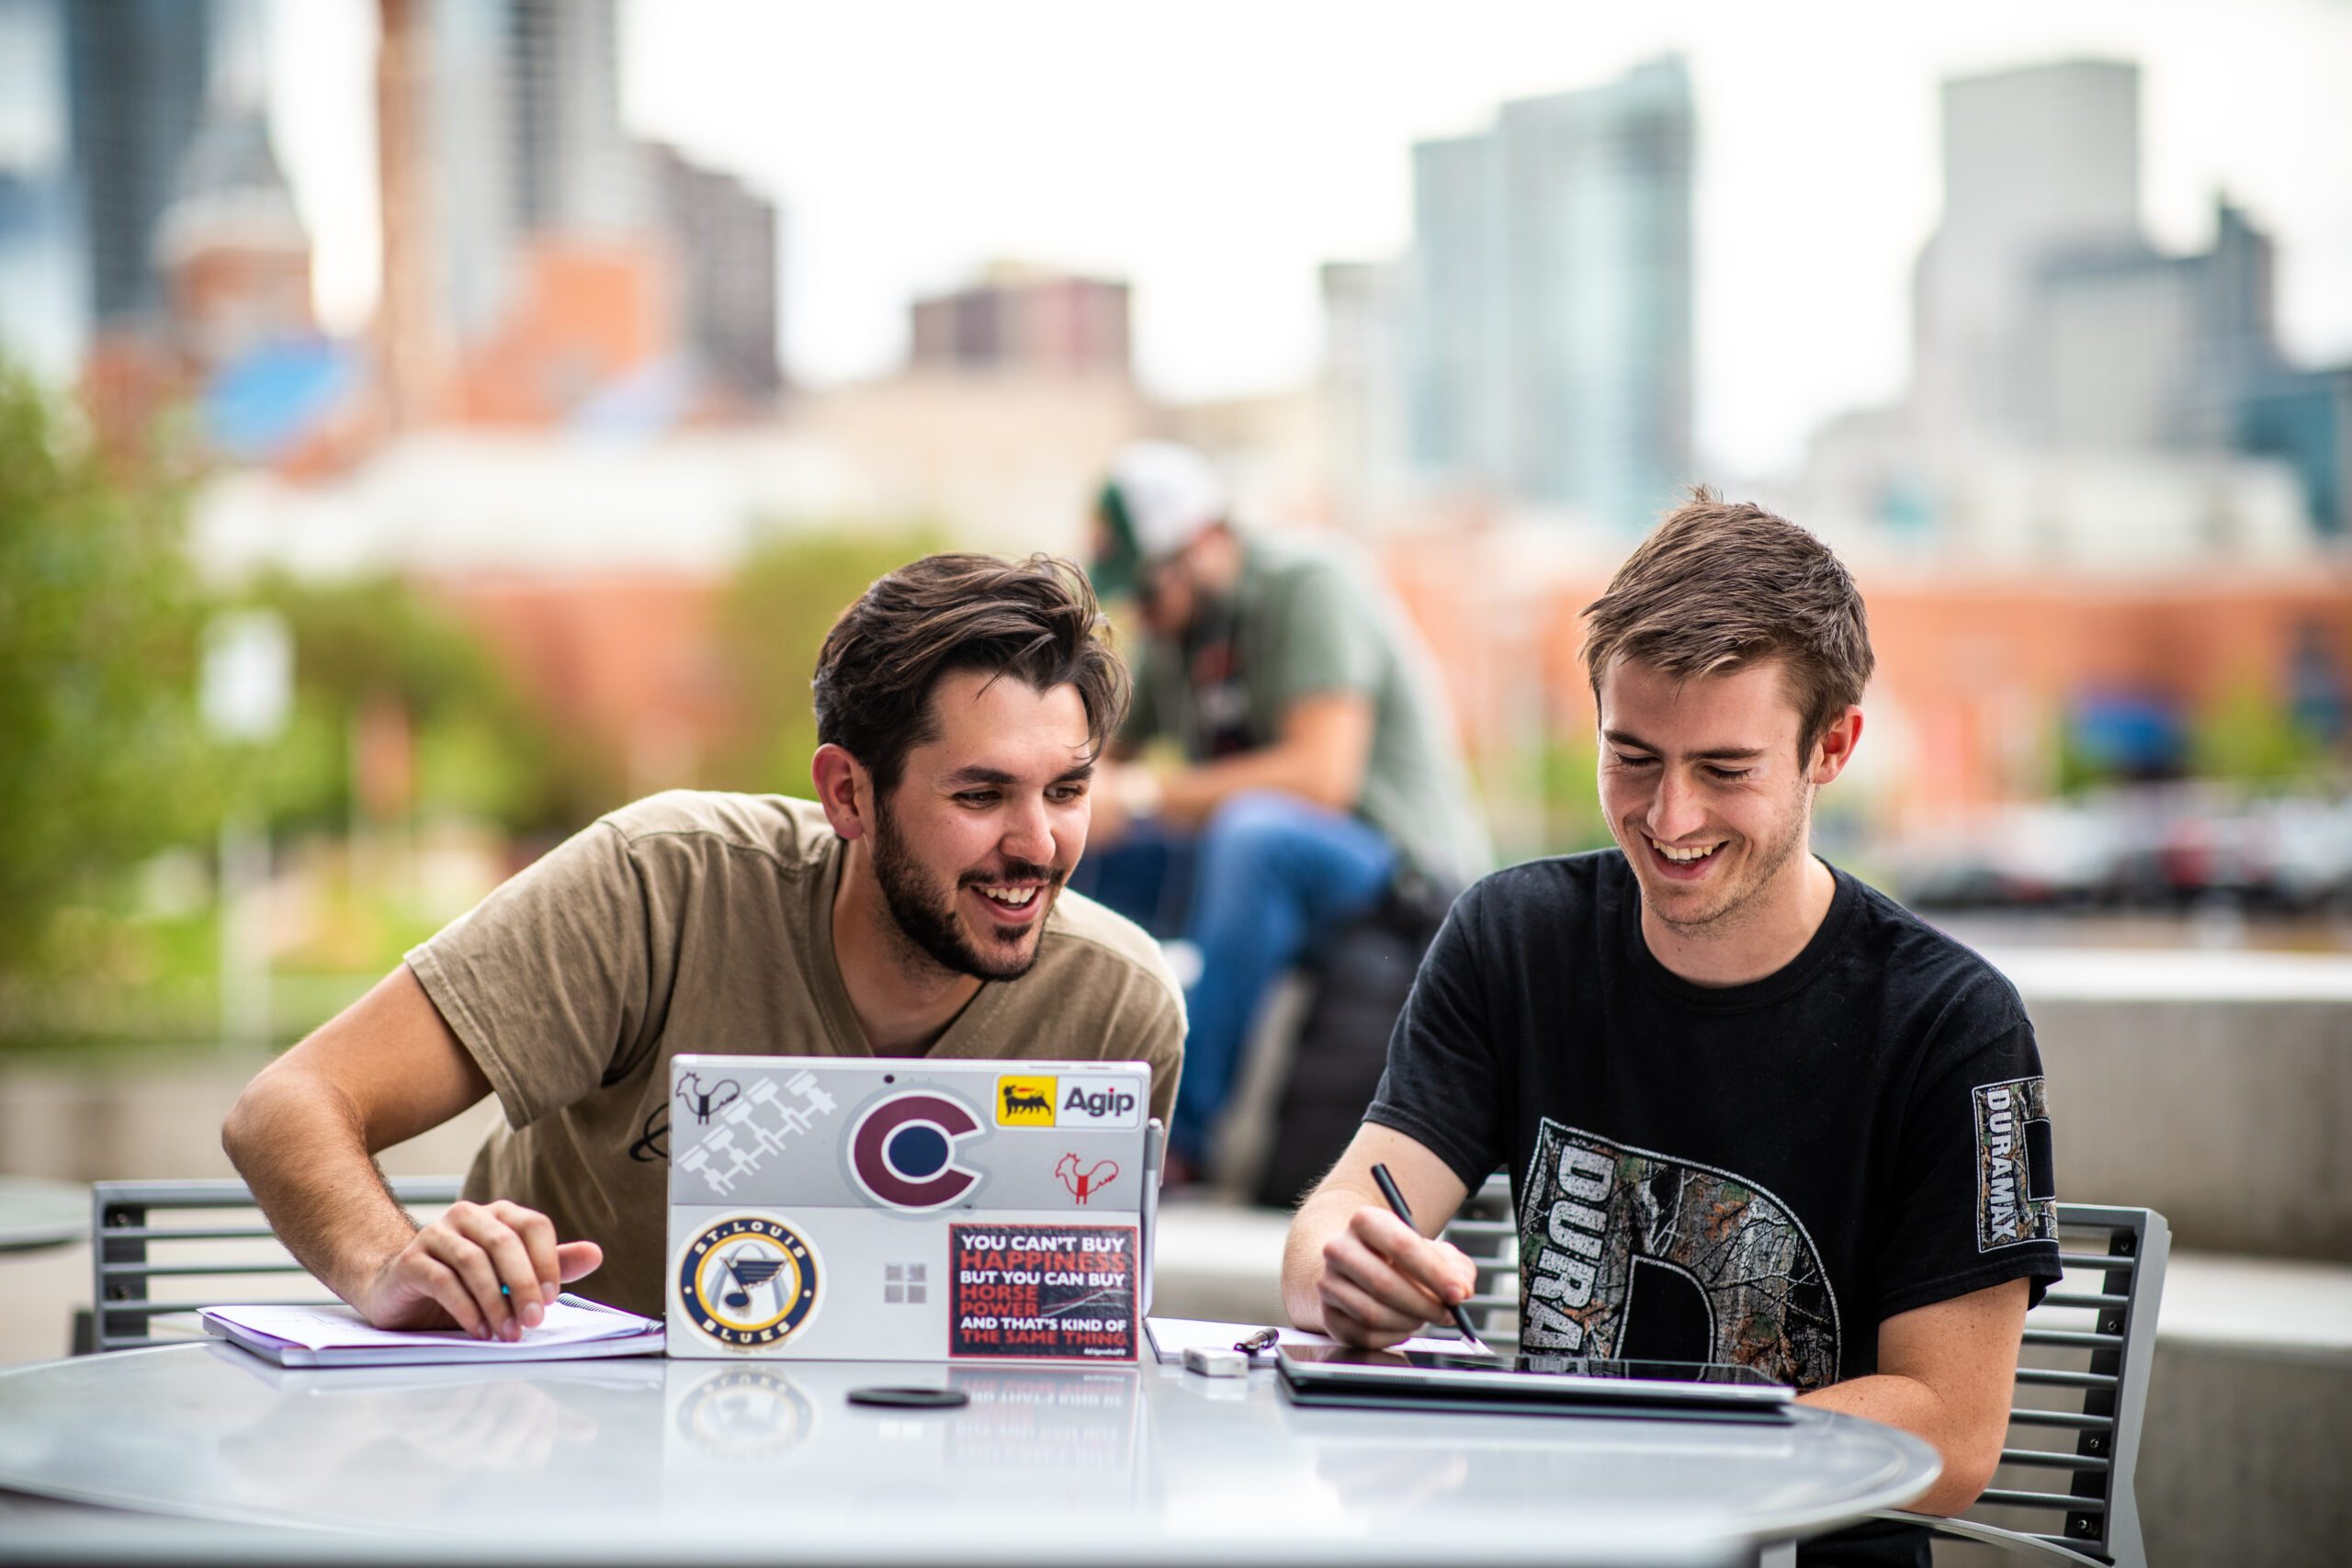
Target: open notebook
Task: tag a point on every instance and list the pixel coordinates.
(575, 1327)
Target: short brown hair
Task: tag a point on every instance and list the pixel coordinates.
(945, 613)
(1720, 586)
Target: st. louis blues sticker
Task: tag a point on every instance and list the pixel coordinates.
(748, 1281)
(2017, 1196)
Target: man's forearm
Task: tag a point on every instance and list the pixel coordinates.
(1189, 794)
(1917, 1408)
(299, 1144)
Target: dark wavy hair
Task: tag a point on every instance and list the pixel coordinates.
(1036, 618)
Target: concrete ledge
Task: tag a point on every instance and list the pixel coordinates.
(2212, 1087)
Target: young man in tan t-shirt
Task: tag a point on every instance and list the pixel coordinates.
(914, 909)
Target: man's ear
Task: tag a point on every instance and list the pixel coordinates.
(844, 789)
(1835, 747)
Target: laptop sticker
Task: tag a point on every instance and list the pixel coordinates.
(902, 1151)
(1025, 1101)
(751, 1127)
(747, 1280)
(1057, 1292)
(1081, 1179)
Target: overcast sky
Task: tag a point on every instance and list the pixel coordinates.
(1214, 152)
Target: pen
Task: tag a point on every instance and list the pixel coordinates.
(1258, 1339)
(1396, 1206)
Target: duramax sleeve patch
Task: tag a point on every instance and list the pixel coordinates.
(2017, 1193)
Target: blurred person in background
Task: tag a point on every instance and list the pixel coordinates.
(915, 908)
(1319, 776)
(1754, 1111)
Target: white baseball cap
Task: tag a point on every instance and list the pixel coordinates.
(1160, 497)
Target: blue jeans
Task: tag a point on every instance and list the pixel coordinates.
(1268, 878)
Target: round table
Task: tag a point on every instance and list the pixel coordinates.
(652, 1461)
(37, 1213)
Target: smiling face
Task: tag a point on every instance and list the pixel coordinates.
(1704, 789)
(987, 821)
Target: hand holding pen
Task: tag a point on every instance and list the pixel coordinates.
(1396, 1206)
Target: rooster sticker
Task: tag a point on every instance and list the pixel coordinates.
(1083, 1184)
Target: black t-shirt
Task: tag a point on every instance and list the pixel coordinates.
(1758, 1173)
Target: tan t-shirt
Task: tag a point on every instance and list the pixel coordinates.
(698, 921)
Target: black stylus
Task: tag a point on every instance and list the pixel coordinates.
(1396, 1206)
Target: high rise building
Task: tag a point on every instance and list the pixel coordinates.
(2037, 162)
(40, 285)
(1363, 383)
(536, 255)
(1551, 343)
(576, 171)
(723, 238)
(2129, 348)
(1027, 319)
(138, 74)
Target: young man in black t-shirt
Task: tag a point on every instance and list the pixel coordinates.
(1753, 1111)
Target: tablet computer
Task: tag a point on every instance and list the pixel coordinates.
(1336, 1374)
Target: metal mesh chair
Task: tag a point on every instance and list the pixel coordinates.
(163, 1248)
(2063, 1489)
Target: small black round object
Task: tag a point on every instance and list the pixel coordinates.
(910, 1398)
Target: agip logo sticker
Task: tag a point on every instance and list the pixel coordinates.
(2017, 1195)
(1078, 1099)
(1092, 1101)
(748, 1281)
(1026, 1103)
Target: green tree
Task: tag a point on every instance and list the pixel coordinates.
(103, 758)
(772, 619)
(478, 747)
(2249, 736)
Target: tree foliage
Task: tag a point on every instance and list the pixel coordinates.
(103, 758)
(478, 747)
(772, 619)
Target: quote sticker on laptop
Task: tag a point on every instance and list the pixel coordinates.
(1051, 1292)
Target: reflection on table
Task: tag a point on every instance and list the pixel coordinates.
(652, 1461)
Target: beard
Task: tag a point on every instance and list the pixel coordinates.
(925, 913)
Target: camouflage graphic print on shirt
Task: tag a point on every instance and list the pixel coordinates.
(1596, 1218)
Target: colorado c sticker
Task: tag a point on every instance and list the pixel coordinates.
(902, 1150)
(748, 1281)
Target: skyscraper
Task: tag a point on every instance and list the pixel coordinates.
(1550, 343)
(2038, 162)
(724, 239)
(1022, 318)
(40, 285)
(138, 72)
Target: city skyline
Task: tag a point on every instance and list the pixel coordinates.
(1217, 181)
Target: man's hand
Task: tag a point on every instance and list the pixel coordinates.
(490, 1269)
(1352, 1269)
(305, 1133)
(1383, 1280)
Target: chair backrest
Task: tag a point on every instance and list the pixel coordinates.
(2082, 1389)
(164, 1247)
(2065, 1484)
(1487, 1228)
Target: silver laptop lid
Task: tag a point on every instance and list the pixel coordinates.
(869, 1208)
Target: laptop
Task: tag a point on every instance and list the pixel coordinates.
(1389, 1380)
(827, 1208)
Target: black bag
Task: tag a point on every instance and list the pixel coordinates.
(1360, 979)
